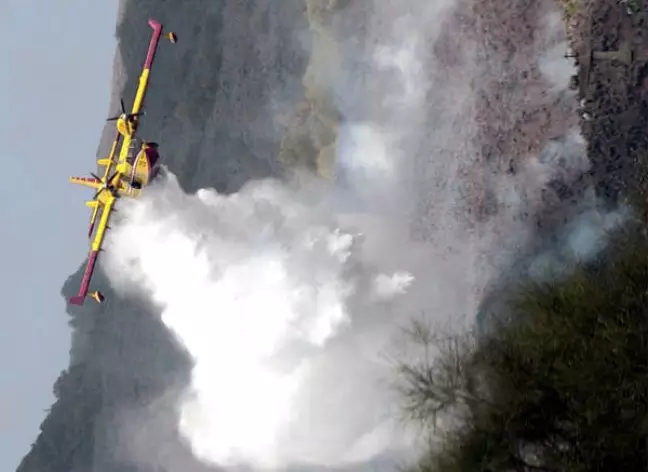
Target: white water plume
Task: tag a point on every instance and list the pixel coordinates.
(284, 310)
(254, 286)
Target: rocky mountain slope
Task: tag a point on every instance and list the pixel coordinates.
(244, 93)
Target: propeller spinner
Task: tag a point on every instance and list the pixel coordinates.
(105, 185)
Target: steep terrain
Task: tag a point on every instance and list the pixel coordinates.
(560, 383)
(251, 86)
(209, 108)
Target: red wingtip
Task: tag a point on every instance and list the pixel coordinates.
(85, 281)
(155, 24)
(157, 31)
(90, 228)
(77, 300)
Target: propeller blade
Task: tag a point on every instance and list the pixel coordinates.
(95, 176)
(111, 177)
(123, 108)
(113, 118)
(96, 195)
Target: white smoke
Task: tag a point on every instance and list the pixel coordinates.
(255, 286)
(286, 298)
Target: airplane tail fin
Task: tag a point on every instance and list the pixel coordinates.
(79, 299)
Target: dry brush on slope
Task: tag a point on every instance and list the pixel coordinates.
(559, 384)
(518, 109)
(559, 381)
(311, 128)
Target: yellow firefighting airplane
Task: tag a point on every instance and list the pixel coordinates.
(131, 173)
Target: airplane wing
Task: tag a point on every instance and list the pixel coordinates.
(108, 163)
(128, 127)
(94, 253)
(95, 205)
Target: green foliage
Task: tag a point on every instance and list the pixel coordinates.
(562, 384)
(571, 7)
(311, 135)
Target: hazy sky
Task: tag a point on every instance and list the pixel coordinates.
(54, 89)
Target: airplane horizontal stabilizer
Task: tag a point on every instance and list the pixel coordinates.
(86, 181)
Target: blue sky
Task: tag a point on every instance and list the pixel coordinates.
(54, 89)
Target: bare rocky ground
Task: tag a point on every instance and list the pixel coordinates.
(518, 109)
(208, 110)
(614, 96)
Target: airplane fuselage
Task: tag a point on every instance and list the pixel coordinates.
(138, 171)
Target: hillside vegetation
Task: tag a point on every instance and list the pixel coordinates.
(311, 130)
(559, 379)
(559, 383)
